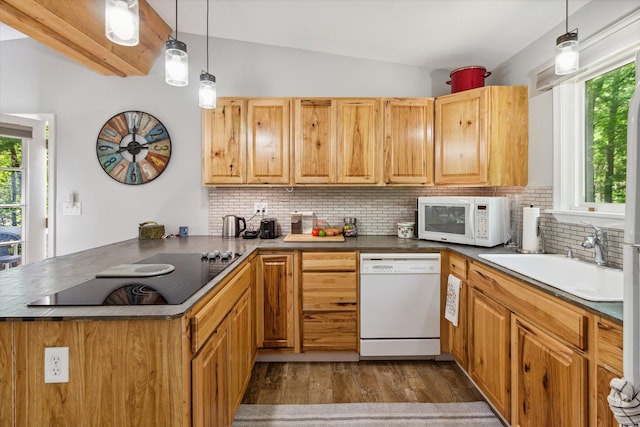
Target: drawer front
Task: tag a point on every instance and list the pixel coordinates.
(329, 331)
(207, 319)
(541, 309)
(609, 345)
(458, 266)
(329, 291)
(329, 261)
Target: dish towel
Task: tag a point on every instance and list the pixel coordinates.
(624, 402)
(453, 299)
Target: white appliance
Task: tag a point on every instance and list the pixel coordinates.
(479, 221)
(631, 268)
(399, 305)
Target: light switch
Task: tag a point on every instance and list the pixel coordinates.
(71, 208)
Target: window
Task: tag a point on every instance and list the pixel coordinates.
(11, 201)
(605, 115)
(590, 144)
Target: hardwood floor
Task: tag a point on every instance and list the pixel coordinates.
(364, 381)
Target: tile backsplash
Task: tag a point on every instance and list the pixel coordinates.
(379, 209)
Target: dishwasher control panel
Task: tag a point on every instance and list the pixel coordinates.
(399, 263)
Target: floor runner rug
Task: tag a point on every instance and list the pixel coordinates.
(367, 414)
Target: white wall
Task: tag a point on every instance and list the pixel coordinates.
(522, 68)
(35, 79)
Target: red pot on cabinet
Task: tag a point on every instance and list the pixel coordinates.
(466, 78)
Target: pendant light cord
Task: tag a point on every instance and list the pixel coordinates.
(207, 36)
(177, 19)
(566, 20)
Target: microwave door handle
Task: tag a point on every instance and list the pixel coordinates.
(472, 222)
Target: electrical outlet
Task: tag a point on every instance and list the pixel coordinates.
(261, 208)
(56, 364)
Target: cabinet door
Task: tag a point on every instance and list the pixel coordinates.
(268, 124)
(274, 285)
(461, 138)
(549, 380)
(458, 334)
(209, 375)
(315, 141)
(408, 141)
(358, 147)
(330, 331)
(609, 365)
(489, 349)
(241, 346)
(224, 143)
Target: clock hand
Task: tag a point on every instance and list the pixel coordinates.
(140, 146)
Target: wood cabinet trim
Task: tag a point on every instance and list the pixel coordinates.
(563, 320)
(329, 261)
(206, 320)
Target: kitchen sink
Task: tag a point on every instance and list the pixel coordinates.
(579, 278)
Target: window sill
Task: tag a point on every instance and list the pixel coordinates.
(600, 219)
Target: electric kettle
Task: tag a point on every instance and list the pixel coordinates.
(231, 226)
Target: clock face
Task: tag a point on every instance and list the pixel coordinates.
(133, 147)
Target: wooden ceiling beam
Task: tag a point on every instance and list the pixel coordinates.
(75, 28)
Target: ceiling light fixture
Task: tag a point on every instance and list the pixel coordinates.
(122, 22)
(567, 54)
(176, 61)
(207, 91)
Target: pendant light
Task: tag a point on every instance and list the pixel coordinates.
(122, 22)
(207, 91)
(567, 54)
(176, 65)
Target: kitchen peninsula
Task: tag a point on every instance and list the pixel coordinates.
(143, 365)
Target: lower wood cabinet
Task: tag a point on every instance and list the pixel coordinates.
(221, 366)
(241, 349)
(608, 366)
(549, 379)
(329, 301)
(540, 360)
(275, 301)
(489, 363)
(458, 334)
(209, 380)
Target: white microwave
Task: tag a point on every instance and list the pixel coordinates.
(479, 221)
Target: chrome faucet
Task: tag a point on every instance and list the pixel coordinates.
(598, 241)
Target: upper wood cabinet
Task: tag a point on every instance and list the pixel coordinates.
(408, 141)
(481, 137)
(472, 138)
(268, 122)
(224, 143)
(315, 141)
(246, 141)
(336, 141)
(358, 145)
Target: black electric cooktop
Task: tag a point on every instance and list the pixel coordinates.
(192, 272)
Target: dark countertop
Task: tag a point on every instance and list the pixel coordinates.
(22, 285)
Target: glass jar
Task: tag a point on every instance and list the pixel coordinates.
(350, 227)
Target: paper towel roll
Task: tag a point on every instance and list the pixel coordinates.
(530, 217)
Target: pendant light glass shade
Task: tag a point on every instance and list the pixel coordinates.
(567, 53)
(176, 64)
(122, 22)
(207, 93)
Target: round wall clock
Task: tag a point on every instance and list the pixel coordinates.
(133, 147)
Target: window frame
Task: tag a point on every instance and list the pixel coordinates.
(569, 151)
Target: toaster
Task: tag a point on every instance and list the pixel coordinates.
(268, 228)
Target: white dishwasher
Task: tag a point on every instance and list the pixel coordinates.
(399, 305)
